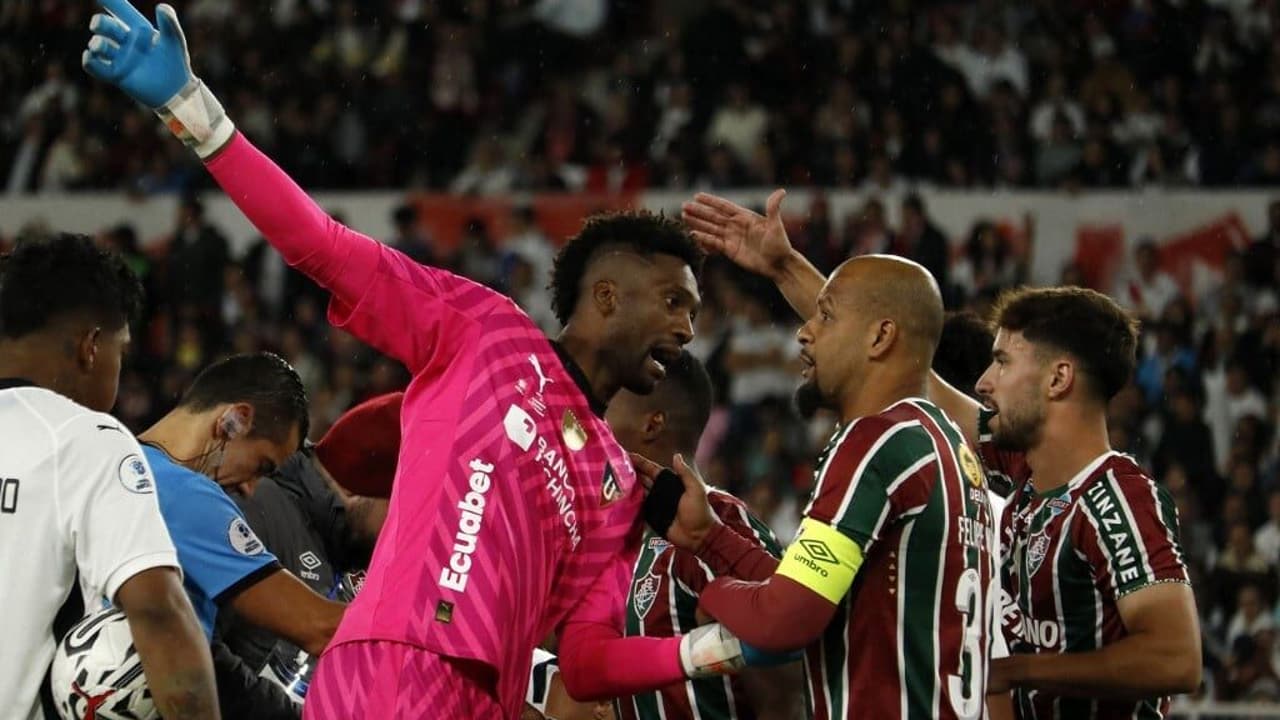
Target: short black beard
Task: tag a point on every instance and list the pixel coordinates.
(809, 400)
(1017, 437)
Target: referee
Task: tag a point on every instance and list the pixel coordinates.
(321, 533)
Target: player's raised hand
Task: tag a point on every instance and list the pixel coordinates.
(756, 242)
(151, 65)
(687, 515)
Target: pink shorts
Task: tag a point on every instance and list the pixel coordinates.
(381, 680)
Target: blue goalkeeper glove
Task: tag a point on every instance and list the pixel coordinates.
(710, 650)
(153, 67)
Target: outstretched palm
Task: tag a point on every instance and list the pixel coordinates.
(755, 242)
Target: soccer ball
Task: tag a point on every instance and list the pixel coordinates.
(97, 673)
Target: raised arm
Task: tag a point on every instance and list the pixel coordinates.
(151, 64)
(378, 292)
(757, 243)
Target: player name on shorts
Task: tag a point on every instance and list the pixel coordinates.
(562, 492)
(471, 506)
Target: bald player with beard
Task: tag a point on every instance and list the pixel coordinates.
(889, 584)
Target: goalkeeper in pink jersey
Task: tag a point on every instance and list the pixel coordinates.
(514, 513)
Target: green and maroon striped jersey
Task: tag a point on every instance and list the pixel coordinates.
(1068, 554)
(662, 603)
(912, 637)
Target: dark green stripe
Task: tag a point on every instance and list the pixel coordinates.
(1075, 583)
(920, 565)
(647, 706)
(835, 646)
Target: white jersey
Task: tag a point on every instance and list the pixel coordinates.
(76, 496)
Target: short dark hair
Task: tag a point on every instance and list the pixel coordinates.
(1084, 323)
(964, 350)
(265, 381)
(47, 278)
(641, 231)
(685, 395)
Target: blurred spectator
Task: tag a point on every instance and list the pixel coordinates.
(410, 238)
(988, 263)
(199, 255)
(922, 241)
(1263, 252)
(1146, 289)
(739, 124)
(478, 257)
(1058, 154)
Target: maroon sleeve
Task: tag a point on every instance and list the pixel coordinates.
(730, 554)
(777, 615)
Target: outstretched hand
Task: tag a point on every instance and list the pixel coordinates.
(755, 242)
(694, 518)
(148, 62)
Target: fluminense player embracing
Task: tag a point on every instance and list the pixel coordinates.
(889, 584)
(514, 512)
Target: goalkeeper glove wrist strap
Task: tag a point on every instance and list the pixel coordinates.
(710, 650)
(197, 118)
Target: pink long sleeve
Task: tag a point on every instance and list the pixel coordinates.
(336, 257)
(598, 664)
(414, 313)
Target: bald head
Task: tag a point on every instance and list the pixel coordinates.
(892, 288)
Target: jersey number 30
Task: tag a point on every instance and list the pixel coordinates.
(966, 688)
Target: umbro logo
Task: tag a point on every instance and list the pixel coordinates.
(309, 560)
(819, 551)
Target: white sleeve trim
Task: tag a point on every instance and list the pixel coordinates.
(137, 564)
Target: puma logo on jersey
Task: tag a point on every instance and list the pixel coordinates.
(543, 380)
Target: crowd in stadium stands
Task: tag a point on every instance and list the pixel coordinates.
(1201, 411)
(501, 95)
(495, 95)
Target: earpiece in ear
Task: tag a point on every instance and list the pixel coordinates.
(232, 426)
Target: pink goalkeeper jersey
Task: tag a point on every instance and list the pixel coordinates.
(514, 508)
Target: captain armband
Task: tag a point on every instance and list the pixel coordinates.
(822, 559)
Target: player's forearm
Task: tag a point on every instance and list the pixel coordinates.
(597, 664)
(799, 282)
(176, 660)
(1135, 667)
(728, 554)
(776, 693)
(341, 260)
(961, 408)
(777, 616)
